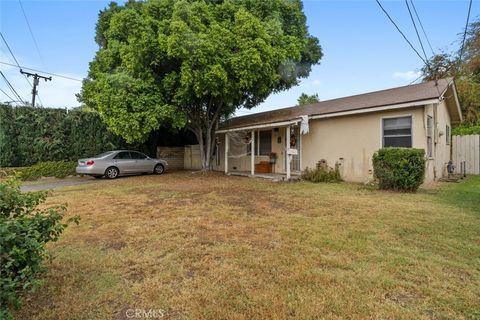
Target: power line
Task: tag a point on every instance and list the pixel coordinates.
(400, 31)
(10, 86)
(18, 65)
(415, 80)
(423, 29)
(8, 47)
(30, 30)
(435, 76)
(36, 78)
(416, 31)
(35, 70)
(6, 94)
(465, 33)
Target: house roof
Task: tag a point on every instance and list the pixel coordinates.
(389, 97)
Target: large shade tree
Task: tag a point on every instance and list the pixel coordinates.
(464, 65)
(193, 63)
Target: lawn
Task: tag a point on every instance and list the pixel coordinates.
(195, 246)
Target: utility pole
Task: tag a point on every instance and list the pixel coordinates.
(36, 77)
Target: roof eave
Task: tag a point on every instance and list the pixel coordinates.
(331, 115)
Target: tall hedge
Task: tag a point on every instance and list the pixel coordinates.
(30, 135)
(401, 169)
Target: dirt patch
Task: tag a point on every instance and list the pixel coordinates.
(119, 245)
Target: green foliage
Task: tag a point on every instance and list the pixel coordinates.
(24, 231)
(193, 63)
(57, 169)
(305, 99)
(401, 169)
(466, 130)
(464, 65)
(322, 173)
(31, 135)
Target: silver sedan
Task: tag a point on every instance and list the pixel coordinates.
(120, 162)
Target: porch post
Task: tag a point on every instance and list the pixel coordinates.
(227, 146)
(252, 159)
(287, 144)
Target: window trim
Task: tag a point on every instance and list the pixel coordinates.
(408, 115)
(259, 143)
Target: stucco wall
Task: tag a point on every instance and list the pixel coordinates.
(352, 140)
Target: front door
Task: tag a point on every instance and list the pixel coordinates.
(294, 144)
(142, 163)
(124, 162)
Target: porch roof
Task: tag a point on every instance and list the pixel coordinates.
(411, 94)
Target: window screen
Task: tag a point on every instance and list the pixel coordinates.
(397, 132)
(429, 136)
(447, 134)
(265, 146)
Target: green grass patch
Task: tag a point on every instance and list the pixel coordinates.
(219, 247)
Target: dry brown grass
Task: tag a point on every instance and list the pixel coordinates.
(215, 247)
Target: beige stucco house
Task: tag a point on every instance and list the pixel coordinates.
(345, 131)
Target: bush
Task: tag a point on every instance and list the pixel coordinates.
(466, 130)
(322, 173)
(57, 169)
(401, 169)
(24, 231)
(31, 135)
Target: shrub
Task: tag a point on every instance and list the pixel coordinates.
(322, 173)
(24, 231)
(401, 169)
(57, 169)
(466, 130)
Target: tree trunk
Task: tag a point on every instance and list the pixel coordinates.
(206, 141)
(204, 124)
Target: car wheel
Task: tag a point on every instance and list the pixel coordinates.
(111, 173)
(159, 169)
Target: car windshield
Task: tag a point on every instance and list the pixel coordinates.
(101, 155)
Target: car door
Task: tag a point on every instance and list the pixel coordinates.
(124, 162)
(142, 162)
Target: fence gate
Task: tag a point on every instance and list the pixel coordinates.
(466, 149)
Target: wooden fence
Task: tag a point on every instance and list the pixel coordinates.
(173, 155)
(466, 154)
(192, 157)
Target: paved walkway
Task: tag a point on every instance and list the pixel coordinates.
(56, 183)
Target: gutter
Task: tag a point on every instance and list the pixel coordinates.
(376, 109)
(335, 114)
(259, 126)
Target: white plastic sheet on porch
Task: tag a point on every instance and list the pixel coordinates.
(466, 148)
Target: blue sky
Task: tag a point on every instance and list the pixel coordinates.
(362, 50)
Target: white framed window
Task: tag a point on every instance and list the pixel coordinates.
(263, 143)
(397, 132)
(448, 136)
(429, 136)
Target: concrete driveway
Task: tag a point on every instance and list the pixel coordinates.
(54, 183)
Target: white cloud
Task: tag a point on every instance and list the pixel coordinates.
(316, 82)
(407, 75)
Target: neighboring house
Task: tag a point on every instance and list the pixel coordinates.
(345, 131)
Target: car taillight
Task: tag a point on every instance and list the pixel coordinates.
(90, 162)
